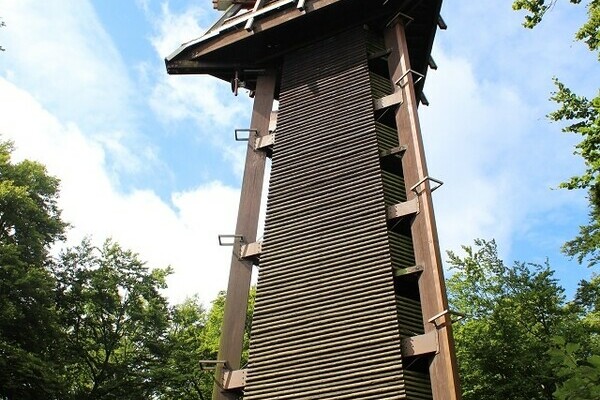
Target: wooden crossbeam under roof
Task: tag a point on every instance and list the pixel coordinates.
(234, 48)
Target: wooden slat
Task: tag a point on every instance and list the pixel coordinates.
(325, 310)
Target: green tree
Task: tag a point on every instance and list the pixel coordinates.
(513, 313)
(193, 336)
(582, 116)
(181, 373)
(30, 223)
(576, 358)
(115, 320)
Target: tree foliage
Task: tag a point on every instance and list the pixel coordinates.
(115, 321)
(91, 323)
(518, 339)
(30, 223)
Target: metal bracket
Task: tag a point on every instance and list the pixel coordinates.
(404, 75)
(236, 238)
(204, 364)
(237, 83)
(433, 320)
(414, 187)
(248, 131)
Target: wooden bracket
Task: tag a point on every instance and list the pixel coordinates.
(233, 380)
(408, 270)
(388, 101)
(421, 344)
(403, 209)
(380, 54)
(390, 158)
(250, 251)
(394, 151)
(265, 141)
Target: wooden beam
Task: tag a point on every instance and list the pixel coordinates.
(267, 22)
(234, 380)
(394, 151)
(410, 207)
(420, 345)
(236, 303)
(388, 101)
(443, 368)
(264, 141)
(251, 251)
(408, 270)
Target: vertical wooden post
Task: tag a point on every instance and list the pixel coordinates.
(443, 368)
(236, 303)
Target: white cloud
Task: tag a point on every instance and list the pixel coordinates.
(67, 102)
(497, 159)
(203, 101)
(60, 53)
(184, 237)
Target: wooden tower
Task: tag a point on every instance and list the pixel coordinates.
(350, 300)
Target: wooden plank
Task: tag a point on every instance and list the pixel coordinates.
(234, 317)
(420, 345)
(443, 368)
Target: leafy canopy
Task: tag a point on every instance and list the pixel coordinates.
(521, 339)
(30, 223)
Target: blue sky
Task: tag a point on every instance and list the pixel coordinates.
(150, 160)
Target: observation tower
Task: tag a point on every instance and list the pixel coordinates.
(350, 299)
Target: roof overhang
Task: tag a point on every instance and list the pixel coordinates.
(245, 42)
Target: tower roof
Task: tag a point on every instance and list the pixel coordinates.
(252, 36)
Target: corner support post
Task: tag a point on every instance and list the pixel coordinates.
(236, 303)
(443, 368)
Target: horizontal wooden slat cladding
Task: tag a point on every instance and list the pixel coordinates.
(325, 322)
